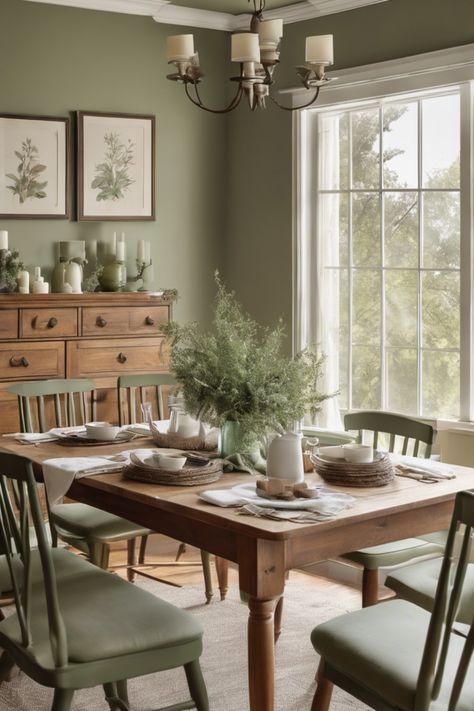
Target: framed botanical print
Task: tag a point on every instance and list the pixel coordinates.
(34, 166)
(116, 166)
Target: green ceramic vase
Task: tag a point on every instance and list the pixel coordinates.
(230, 438)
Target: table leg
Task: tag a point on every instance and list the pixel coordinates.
(222, 569)
(261, 657)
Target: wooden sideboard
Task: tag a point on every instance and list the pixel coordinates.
(98, 336)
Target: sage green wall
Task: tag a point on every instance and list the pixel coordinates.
(258, 251)
(58, 59)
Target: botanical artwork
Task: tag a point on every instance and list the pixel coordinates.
(112, 175)
(116, 166)
(26, 183)
(33, 166)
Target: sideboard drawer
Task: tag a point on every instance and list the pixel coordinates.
(9, 323)
(48, 323)
(114, 357)
(26, 360)
(132, 321)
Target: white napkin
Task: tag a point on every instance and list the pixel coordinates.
(54, 433)
(143, 428)
(221, 497)
(430, 466)
(60, 472)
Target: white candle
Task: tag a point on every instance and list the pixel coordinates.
(40, 287)
(120, 252)
(37, 273)
(141, 251)
(3, 239)
(147, 252)
(179, 48)
(319, 49)
(245, 47)
(270, 32)
(24, 281)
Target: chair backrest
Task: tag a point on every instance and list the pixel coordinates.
(443, 616)
(135, 390)
(72, 403)
(396, 426)
(15, 540)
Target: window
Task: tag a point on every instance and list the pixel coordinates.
(380, 263)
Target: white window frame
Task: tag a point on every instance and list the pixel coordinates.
(357, 86)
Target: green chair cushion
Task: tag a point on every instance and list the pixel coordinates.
(105, 617)
(393, 553)
(94, 524)
(439, 537)
(380, 648)
(417, 583)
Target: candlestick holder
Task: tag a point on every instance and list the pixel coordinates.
(145, 272)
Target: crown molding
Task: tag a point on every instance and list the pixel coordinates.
(163, 11)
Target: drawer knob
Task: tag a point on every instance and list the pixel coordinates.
(150, 321)
(19, 362)
(53, 321)
(122, 358)
(101, 322)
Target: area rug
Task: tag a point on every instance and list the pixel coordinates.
(224, 660)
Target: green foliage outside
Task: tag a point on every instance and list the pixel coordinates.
(237, 372)
(436, 293)
(26, 184)
(112, 178)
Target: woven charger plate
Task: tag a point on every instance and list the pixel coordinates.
(341, 473)
(174, 441)
(190, 475)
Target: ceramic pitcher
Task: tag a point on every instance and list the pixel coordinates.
(285, 458)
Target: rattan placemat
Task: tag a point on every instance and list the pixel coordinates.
(189, 475)
(341, 473)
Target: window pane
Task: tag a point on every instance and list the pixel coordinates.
(402, 378)
(366, 148)
(400, 145)
(334, 152)
(441, 230)
(366, 380)
(333, 219)
(365, 229)
(441, 141)
(401, 229)
(440, 384)
(440, 297)
(401, 308)
(366, 307)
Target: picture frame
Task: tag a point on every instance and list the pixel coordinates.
(34, 166)
(115, 166)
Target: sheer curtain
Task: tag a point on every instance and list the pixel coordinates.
(317, 273)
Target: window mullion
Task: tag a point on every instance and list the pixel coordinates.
(419, 319)
(349, 271)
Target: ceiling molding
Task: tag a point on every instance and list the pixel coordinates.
(163, 11)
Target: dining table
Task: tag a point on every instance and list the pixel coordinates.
(264, 550)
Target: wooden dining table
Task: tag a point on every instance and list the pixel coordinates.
(263, 549)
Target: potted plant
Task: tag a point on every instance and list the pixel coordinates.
(237, 377)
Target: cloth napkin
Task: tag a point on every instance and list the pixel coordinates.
(430, 467)
(143, 428)
(60, 472)
(33, 437)
(284, 515)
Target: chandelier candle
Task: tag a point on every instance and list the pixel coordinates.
(179, 48)
(245, 47)
(3, 239)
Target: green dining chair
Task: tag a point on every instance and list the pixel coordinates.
(416, 436)
(66, 403)
(77, 626)
(398, 657)
(132, 392)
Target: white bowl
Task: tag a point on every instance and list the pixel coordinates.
(358, 453)
(102, 431)
(172, 462)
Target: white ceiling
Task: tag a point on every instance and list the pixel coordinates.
(227, 15)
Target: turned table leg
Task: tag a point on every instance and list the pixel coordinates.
(222, 569)
(261, 657)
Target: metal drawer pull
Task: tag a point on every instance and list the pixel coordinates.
(18, 362)
(150, 321)
(122, 358)
(53, 321)
(101, 322)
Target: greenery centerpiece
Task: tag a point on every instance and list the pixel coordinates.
(237, 373)
(10, 266)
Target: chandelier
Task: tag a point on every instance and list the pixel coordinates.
(258, 53)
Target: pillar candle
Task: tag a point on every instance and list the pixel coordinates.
(24, 281)
(141, 251)
(270, 31)
(37, 273)
(3, 239)
(120, 252)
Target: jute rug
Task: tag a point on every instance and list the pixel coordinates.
(224, 660)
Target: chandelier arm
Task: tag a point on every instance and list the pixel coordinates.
(230, 107)
(295, 108)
